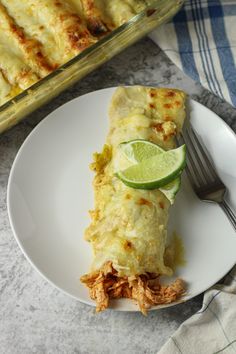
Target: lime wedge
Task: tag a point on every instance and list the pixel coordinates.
(171, 189)
(139, 150)
(156, 171)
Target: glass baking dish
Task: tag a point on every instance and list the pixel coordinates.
(27, 101)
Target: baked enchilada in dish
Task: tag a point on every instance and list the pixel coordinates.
(128, 231)
(37, 36)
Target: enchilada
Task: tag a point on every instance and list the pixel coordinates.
(128, 231)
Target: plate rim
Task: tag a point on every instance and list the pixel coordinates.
(9, 184)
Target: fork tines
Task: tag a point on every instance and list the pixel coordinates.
(202, 175)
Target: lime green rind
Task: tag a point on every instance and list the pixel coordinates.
(150, 185)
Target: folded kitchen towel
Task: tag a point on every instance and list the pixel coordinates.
(213, 328)
(201, 40)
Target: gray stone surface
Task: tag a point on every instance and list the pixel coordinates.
(34, 316)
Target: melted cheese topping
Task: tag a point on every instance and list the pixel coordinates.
(37, 36)
(129, 225)
(104, 15)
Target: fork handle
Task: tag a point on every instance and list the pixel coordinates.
(229, 212)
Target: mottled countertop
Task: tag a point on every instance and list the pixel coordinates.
(34, 316)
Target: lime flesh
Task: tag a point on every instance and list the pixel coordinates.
(171, 189)
(139, 150)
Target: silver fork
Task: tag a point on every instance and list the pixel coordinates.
(202, 175)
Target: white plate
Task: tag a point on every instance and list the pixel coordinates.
(50, 193)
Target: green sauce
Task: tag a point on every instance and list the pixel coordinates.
(175, 253)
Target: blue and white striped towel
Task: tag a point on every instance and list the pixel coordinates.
(211, 330)
(201, 40)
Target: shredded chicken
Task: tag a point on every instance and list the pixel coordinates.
(145, 289)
